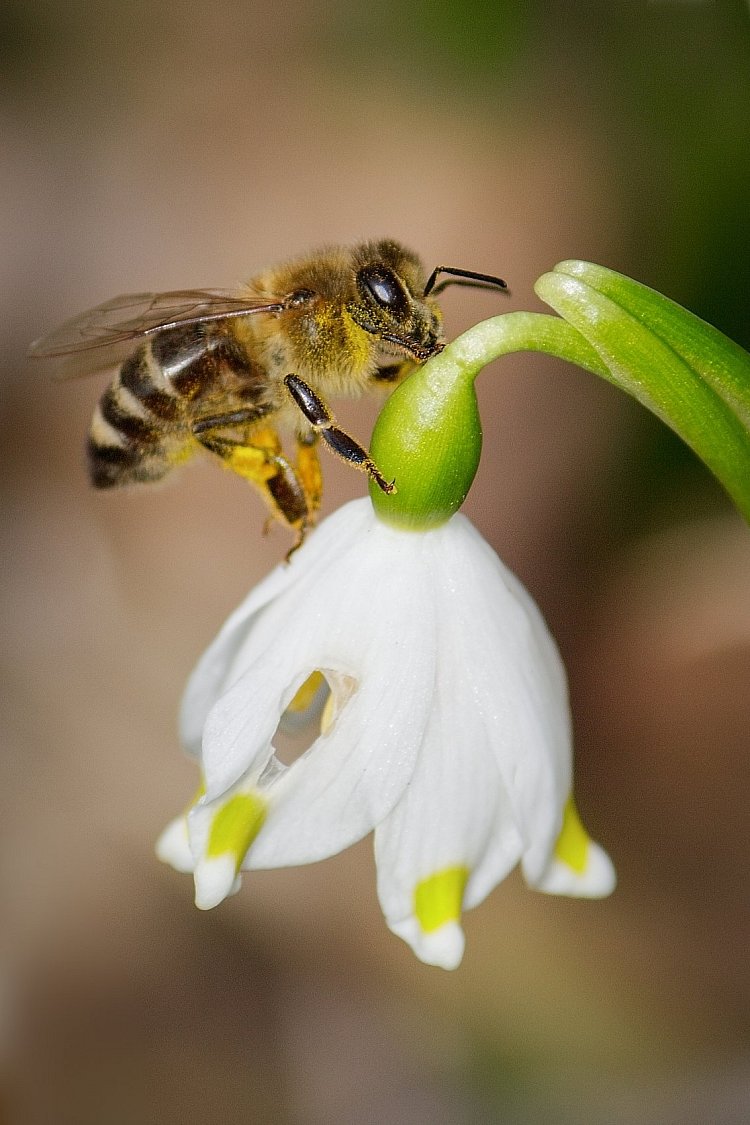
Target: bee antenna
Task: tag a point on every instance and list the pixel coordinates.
(463, 277)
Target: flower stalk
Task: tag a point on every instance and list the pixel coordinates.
(428, 435)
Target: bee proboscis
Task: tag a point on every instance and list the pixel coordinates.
(222, 370)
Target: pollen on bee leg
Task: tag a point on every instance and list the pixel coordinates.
(234, 827)
(252, 463)
(309, 472)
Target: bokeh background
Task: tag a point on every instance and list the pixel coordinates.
(158, 146)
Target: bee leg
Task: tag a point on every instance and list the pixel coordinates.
(308, 469)
(339, 442)
(263, 464)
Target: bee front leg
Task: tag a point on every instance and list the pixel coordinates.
(323, 422)
(262, 463)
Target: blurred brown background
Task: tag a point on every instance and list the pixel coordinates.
(158, 146)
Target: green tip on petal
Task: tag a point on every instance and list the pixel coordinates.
(438, 898)
(572, 845)
(235, 826)
(428, 438)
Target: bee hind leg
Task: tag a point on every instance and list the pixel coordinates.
(338, 441)
(263, 464)
(308, 469)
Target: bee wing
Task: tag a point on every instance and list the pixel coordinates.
(105, 330)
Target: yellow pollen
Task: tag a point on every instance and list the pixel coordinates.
(572, 845)
(438, 898)
(306, 694)
(236, 825)
(329, 714)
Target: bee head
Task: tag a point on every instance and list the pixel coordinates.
(389, 300)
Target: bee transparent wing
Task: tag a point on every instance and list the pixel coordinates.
(106, 330)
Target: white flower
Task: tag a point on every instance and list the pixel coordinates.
(447, 733)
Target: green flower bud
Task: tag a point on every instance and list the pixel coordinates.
(428, 439)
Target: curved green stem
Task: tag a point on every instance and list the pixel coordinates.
(518, 332)
(685, 371)
(428, 435)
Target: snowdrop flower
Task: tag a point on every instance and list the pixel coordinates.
(447, 729)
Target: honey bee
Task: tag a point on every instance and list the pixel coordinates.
(222, 370)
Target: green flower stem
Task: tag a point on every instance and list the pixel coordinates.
(687, 372)
(521, 332)
(428, 436)
(721, 363)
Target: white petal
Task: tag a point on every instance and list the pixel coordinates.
(366, 618)
(209, 677)
(220, 834)
(215, 878)
(455, 815)
(597, 880)
(351, 777)
(173, 846)
(322, 619)
(518, 682)
(218, 667)
(578, 866)
(443, 947)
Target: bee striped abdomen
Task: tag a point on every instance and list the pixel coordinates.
(136, 376)
(142, 425)
(124, 414)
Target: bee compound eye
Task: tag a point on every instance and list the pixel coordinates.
(383, 287)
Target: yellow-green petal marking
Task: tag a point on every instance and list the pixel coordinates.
(305, 695)
(572, 847)
(439, 897)
(235, 826)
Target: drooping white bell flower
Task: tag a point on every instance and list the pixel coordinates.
(447, 731)
(450, 734)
